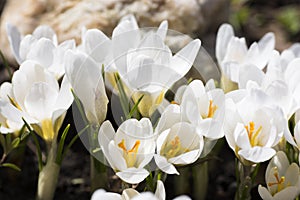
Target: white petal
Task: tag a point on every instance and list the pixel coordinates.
(160, 192)
(115, 157)
(257, 154)
(182, 197)
(250, 72)
(26, 45)
(45, 31)
(182, 61)
(264, 193)
(14, 38)
(42, 52)
(241, 137)
(186, 158)
(102, 194)
(164, 165)
(225, 33)
(162, 29)
(170, 116)
(40, 101)
(133, 175)
(288, 193)
(65, 97)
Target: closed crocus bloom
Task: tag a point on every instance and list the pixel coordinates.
(178, 145)
(40, 46)
(282, 179)
(129, 149)
(253, 125)
(232, 52)
(152, 70)
(204, 108)
(86, 79)
(37, 97)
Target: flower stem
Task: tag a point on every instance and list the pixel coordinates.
(245, 179)
(49, 175)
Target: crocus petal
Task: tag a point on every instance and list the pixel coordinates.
(225, 33)
(288, 193)
(250, 72)
(133, 175)
(42, 52)
(163, 164)
(186, 158)
(264, 193)
(14, 38)
(65, 97)
(129, 194)
(40, 101)
(182, 61)
(162, 29)
(45, 31)
(160, 192)
(115, 157)
(257, 154)
(101, 194)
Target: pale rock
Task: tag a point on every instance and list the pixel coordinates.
(67, 17)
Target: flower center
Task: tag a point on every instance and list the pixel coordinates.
(130, 155)
(279, 181)
(211, 109)
(253, 134)
(173, 148)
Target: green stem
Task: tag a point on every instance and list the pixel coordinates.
(244, 181)
(48, 177)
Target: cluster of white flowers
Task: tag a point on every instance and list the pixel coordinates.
(253, 117)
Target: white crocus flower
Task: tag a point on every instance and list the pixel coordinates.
(129, 149)
(86, 79)
(40, 46)
(6, 96)
(253, 125)
(282, 179)
(232, 52)
(204, 108)
(152, 70)
(37, 97)
(178, 145)
(132, 194)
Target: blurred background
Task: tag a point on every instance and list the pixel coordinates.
(198, 18)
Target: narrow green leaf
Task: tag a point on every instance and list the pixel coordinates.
(15, 143)
(61, 145)
(135, 107)
(3, 143)
(79, 107)
(73, 140)
(122, 95)
(12, 166)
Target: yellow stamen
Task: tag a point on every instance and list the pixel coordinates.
(279, 181)
(174, 102)
(211, 109)
(252, 134)
(173, 148)
(130, 155)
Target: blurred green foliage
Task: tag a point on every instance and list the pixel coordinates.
(289, 17)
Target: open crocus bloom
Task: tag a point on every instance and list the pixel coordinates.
(232, 52)
(86, 79)
(204, 108)
(253, 125)
(40, 46)
(129, 149)
(37, 97)
(282, 179)
(178, 145)
(131, 194)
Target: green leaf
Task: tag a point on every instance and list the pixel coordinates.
(135, 107)
(12, 166)
(24, 135)
(122, 95)
(61, 145)
(79, 107)
(15, 143)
